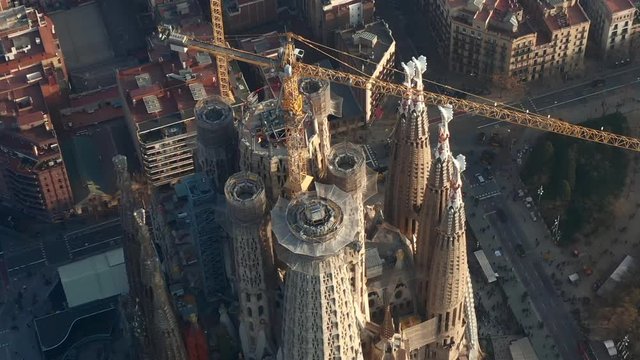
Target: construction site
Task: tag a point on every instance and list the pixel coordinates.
(260, 233)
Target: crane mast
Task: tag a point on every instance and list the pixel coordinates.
(297, 158)
(222, 62)
(297, 70)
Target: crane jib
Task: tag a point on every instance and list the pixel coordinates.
(494, 111)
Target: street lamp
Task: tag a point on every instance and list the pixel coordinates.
(540, 192)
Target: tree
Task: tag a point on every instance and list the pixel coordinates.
(537, 167)
(571, 166)
(547, 151)
(505, 83)
(565, 191)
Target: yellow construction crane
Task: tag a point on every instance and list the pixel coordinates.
(222, 62)
(293, 69)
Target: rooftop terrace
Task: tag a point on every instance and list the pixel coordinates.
(17, 19)
(372, 43)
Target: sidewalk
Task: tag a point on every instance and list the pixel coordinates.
(520, 305)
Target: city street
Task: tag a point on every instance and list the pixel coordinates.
(29, 263)
(532, 275)
(64, 247)
(574, 101)
(17, 336)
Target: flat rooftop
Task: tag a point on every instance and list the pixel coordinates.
(25, 45)
(376, 39)
(615, 6)
(22, 107)
(69, 326)
(83, 36)
(162, 93)
(93, 108)
(574, 15)
(17, 19)
(179, 12)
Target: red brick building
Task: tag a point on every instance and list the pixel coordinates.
(33, 176)
(32, 173)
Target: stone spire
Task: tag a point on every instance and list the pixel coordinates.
(410, 155)
(388, 329)
(165, 337)
(435, 202)
(449, 275)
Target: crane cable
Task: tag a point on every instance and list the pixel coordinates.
(501, 104)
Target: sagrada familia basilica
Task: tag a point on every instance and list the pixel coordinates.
(325, 273)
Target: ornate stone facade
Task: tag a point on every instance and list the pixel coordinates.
(410, 156)
(347, 170)
(435, 202)
(254, 263)
(313, 232)
(217, 146)
(449, 282)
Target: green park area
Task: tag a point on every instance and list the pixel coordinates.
(580, 179)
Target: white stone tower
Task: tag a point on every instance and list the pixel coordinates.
(436, 199)
(313, 230)
(410, 157)
(217, 140)
(449, 283)
(254, 264)
(347, 170)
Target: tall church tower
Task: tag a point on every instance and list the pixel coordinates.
(347, 170)
(313, 231)
(449, 282)
(435, 202)
(410, 156)
(254, 264)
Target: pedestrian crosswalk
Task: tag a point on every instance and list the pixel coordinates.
(488, 195)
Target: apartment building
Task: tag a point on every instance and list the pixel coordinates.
(375, 46)
(28, 40)
(33, 176)
(524, 39)
(328, 16)
(240, 15)
(612, 24)
(158, 102)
